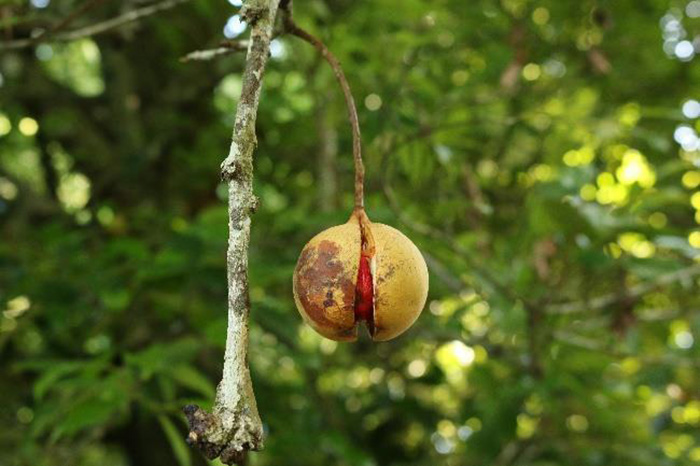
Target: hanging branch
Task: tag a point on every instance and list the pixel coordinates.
(234, 427)
(81, 10)
(291, 27)
(93, 29)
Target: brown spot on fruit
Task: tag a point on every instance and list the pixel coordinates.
(324, 282)
(339, 283)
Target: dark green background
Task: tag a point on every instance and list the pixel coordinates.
(527, 147)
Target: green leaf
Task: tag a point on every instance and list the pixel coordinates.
(89, 413)
(177, 442)
(52, 375)
(161, 358)
(191, 378)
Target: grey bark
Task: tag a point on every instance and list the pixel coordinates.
(234, 427)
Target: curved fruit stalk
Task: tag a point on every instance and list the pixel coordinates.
(360, 272)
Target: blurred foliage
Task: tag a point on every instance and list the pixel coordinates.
(543, 154)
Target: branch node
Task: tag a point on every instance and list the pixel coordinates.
(252, 13)
(202, 425)
(254, 204)
(229, 169)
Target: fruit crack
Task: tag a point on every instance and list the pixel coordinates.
(364, 289)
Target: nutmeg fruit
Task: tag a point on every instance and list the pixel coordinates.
(360, 272)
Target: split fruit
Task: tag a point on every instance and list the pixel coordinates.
(360, 272)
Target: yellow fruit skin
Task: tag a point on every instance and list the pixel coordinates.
(326, 276)
(324, 281)
(400, 282)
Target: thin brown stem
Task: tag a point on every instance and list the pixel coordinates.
(292, 28)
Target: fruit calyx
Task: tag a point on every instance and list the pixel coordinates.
(364, 288)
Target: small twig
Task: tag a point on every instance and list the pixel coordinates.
(98, 28)
(225, 47)
(210, 54)
(634, 292)
(291, 28)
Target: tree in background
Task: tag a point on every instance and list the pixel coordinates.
(543, 155)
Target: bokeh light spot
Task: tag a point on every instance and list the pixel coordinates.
(692, 9)
(8, 190)
(44, 52)
(636, 244)
(583, 156)
(234, 27)
(28, 126)
(17, 306)
(5, 125)
(277, 49)
(635, 169)
(695, 200)
(684, 340)
(540, 16)
(691, 108)
(577, 423)
(694, 239)
(658, 220)
(73, 191)
(526, 426)
(416, 368)
(532, 71)
(684, 50)
(588, 192)
(691, 179)
(373, 102)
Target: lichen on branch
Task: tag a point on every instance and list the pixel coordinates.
(234, 427)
